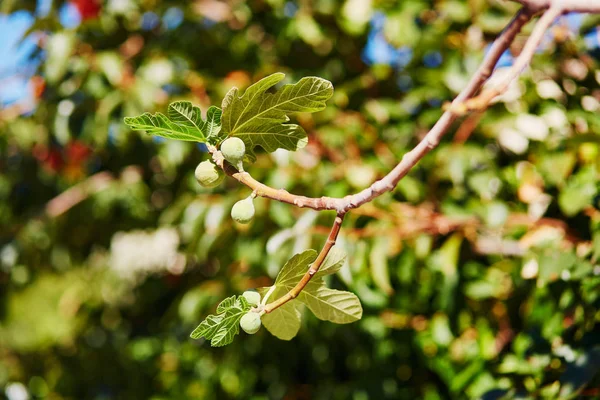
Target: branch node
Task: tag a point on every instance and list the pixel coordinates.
(459, 109)
(298, 202)
(432, 141)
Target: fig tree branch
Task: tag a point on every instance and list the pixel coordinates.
(314, 268)
(584, 6)
(463, 102)
(482, 101)
(410, 159)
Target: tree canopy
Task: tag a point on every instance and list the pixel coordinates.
(478, 275)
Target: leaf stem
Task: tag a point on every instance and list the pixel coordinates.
(314, 268)
(267, 295)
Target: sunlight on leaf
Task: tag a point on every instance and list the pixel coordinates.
(220, 329)
(295, 268)
(337, 306)
(258, 117)
(182, 122)
(284, 321)
(340, 307)
(332, 264)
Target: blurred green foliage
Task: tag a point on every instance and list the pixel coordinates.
(479, 275)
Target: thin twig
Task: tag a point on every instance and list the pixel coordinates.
(78, 193)
(387, 183)
(410, 159)
(482, 101)
(86, 188)
(314, 268)
(582, 6)
(466, 128)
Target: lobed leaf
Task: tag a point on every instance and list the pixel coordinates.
(228, 328)
(182, 122)
(208, 328)
(220, 329)
(284, 322)
(226, 304)
(212, 125)
(258, 117)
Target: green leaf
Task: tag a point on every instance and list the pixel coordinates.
(295, 268)
(579, 192)
(226, 304)
(212, 126)
(332, 264)
(220, 329)
(258, 117)
(378, 260)
(242, 302)
(182, 122)
(59, 47)
(208, 328)
(228, 328)
(338, 306)
(283, 322)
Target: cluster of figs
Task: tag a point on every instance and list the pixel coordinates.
(209, 175)
(250, 322)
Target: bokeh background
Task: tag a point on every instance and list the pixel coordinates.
(479, 275)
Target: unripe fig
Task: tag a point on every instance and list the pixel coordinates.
(233, 150)
(208, 174)
(252, 297)
(250, 322)
(243, 211)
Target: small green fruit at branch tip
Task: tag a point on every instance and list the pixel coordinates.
(243, 211)
(252, 297)
(208, 174)
(250, 322)
(234, 149)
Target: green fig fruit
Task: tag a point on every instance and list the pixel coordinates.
(252, 297)
(234, 149)
(250, 322)
(208, 174)
(243, 211)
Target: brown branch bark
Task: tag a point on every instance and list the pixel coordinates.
(83, 190)
(314, 268)
(410, 159)
(482, 101)
(78, 193)
(463, 102)
(387, 183)
(589, 6)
